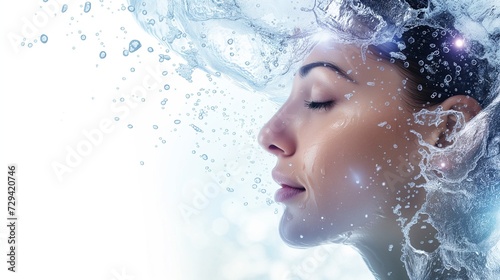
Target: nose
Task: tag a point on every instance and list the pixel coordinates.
(277, 136)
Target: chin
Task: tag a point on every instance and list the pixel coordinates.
(299, 234)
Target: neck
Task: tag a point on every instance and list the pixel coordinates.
(381, 249)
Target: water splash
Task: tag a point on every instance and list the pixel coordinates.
(257, 43)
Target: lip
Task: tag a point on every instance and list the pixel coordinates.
(289, 188)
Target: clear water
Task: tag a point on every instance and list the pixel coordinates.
(257, 43)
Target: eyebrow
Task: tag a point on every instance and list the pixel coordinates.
(304, 70)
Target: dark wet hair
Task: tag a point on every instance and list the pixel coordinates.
(439, 63)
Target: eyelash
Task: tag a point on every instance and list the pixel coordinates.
(313, 105)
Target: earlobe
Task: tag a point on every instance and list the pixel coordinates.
(466, 106)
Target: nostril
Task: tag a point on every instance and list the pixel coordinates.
(274, 148)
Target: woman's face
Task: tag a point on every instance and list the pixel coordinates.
(346, 154)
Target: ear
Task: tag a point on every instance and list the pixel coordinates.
(466, 105)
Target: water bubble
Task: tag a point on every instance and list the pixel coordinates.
(144, 12)
(117, 118)
(164, 101)
(155, 126)
(177, 121)
(102, 54)
(263, 190)
(44, 38)
(257, 180)
(83, 37)
(447, 78)
(166, 86)
(134, 45)
(197, 129)
(87, 7)
(150, 49)
(204, 157)
(164, 73)
(446, 50)
(125, 52)
(230, 41)
(30, 45)
(132, 69)
(348, 96)
(229, 189)
(370, 84)
(131, 8)
(64, 8)
(130, 126)
(142, 162)
(419, 87)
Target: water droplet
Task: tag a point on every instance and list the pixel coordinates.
(44, 38)
(301, 236)
(177, 121)
(64, 8)
(155, 126)
(83, 37)
(164, 73)
(150, 49)
(166, 86)
(370, 84)
(142, 162)
(102, 54)
(117, 118)
(131, 8)
(229, 189)
(204, 157)
(257, 180)
(230, 41)
(87, 7)
(134, 45)
(132, 69)
(130, 126)
(164, 101)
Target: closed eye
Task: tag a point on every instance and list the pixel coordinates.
(313, 105)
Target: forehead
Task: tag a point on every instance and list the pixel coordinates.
(346, 56)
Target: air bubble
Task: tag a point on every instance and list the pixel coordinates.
(87, 7)
(230, 41)
(83, 37)
(166, 87)
(257, 180)
(102, 54)
(44, 38)
(155, 126)
(64, 8)
(150, 49)
(131, 8)
(177, 121)
(134, 45)
(130, 126)
(204, 157)
(125, 52)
